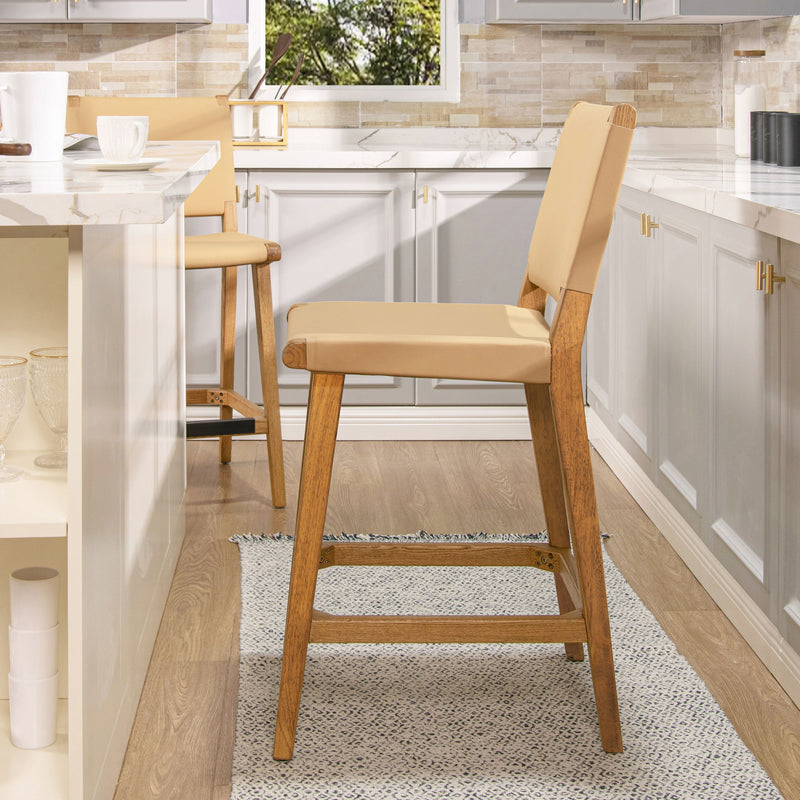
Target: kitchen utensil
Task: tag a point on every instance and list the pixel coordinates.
(49, 390)
(14, 149)
(294, 77)
(13, 380)
(33, 109)
(278, 52)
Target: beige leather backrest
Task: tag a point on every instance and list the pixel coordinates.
(199, 118)
(575, 216)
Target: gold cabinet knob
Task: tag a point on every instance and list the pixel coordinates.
(772, 279)
(646, 225)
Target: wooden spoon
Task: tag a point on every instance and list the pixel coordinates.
(294, 77)
(278, 52)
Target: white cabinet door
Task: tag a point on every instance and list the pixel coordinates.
(343, 236)
(714, 10)
(634, 330)
(140, 10)
(33, 10)
(473, 234)
(559, 10)
(742, 517)
(789, 436)
(105, 10)
(681, 448)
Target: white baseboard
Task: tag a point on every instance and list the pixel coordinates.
(754, 625)
(407, 422)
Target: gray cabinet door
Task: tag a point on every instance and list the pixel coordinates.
(344, 236)
(742, 518)
(789, 603)
(566, 11)
(714, 10)
(473, 233)
(105, 10)
(634, 330)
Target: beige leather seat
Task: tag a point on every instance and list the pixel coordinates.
(473, 341)
(208, 118)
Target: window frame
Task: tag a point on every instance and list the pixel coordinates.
(448, 91)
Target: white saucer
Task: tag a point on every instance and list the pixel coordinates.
(126, 166)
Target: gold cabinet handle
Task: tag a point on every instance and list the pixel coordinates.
(646, 225)
(238, 198)
(761, 276)
(258, 193)
(424, 194)
(772, 279)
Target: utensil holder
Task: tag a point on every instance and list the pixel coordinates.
(259, 123)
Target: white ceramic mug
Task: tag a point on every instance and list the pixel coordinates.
(122, 139)
(32, 706)
(34, 598)
(32, 655)
(33, 110)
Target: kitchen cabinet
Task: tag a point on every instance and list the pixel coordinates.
(685, 371)
(432, 236)
(105, 11)
(473, 233)
(689, 11)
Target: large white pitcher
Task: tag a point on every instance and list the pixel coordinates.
(33, 110)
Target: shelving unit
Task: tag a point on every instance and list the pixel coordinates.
(36, 505)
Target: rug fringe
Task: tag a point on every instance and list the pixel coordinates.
(423, 536)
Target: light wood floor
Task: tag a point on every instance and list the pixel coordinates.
(182, 742)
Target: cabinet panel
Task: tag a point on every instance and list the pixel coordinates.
(600, 355)
(743, 331)
(635, 331)
(343, 236)
(682, 385)
(105, 11)
(789, 604)
(473, 235)
(714, 10)
(567, 11)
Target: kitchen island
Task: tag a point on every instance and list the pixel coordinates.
(94, 260)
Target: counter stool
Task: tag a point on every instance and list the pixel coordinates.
(208, 118)
(478, 342)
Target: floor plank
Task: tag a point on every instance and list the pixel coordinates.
(183, 736)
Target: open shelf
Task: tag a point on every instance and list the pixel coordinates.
(34, 506)
(29, 774)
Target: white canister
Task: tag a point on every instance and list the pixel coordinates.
(270, 122)
(34, 598)
(32, 655)
(749, 95)
(33, 110)
(242, 120)
(32, 706)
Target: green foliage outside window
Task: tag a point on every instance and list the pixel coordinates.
(357, 42)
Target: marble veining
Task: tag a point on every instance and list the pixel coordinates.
(69, 193)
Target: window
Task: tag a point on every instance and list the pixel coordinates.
(402, 50)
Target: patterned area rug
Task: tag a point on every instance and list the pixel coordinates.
(489, 721)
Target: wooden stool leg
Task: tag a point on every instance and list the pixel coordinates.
(265, 327)
(548, 465)
(567, 399)
(227, 351)
(324, 401)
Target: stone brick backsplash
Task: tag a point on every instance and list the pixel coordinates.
(511, 75)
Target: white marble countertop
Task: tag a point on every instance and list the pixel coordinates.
(71, 193)
(694, 167)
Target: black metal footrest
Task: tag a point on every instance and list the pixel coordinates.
(202, 428)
